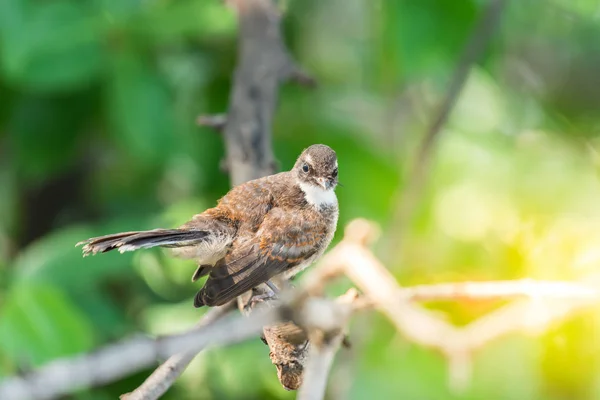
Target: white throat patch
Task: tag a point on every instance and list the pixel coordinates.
(318, 196)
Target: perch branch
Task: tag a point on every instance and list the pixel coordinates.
(324, 322)
(116, 361)
(263, 63)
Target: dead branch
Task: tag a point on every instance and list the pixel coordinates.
(325, 343)
(116, 361)
(263, 62)
(548, 303)
(324, 322)
(165, 375)
(499, 289)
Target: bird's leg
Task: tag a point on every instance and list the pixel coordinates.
(272, 286)
(268, 293)
(257, 298)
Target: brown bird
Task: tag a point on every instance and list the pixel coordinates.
(269, 227)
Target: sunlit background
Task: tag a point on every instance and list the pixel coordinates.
(98, 101)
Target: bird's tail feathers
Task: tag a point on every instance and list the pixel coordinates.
(130, 241)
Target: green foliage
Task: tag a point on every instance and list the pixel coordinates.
(98, 100)
(55, 259)
(135, 93)
(46, 145)
(50, 45)
(38, 324)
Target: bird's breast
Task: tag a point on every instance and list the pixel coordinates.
(317, 196)
(330, 215)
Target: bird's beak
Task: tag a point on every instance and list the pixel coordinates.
(327, 183)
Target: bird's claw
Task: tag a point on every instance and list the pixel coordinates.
(266, 295)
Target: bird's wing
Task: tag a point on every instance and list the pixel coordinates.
(249, 202)
(285, 239)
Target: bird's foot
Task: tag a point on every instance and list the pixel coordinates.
(263, 295)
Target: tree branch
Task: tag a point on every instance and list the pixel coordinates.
(500, 289)
(216, 121)
(548, 303)
(325, 343)
(262, 62)
(116, 361)
(324, 322)
(165, 375)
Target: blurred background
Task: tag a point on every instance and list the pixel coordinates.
(98, 100)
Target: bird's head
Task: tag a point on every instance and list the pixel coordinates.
(317, 166)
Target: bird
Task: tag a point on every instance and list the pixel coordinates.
(262, 230)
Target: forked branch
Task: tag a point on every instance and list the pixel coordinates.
(543, 304)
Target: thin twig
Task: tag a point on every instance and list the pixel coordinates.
(299, 76)
(216, 121)
(500, 289)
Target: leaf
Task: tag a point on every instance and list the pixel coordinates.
(508, 367)
(38, 323)
(401, 371)
(423, 37)
(111, 320)
(8, 205)
(141, 110)
(364, 173)
(50, 45)
(47, 143)
(171, 20)
(55, 259)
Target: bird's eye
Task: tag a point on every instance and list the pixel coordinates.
(334, 173)
(305, 168)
